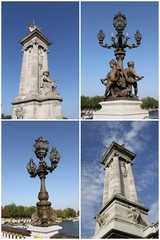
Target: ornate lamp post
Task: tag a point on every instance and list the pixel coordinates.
(44, 215)
(121, 87)
(119, 22)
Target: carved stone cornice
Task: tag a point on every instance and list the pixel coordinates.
(37, 34)
(116, 149)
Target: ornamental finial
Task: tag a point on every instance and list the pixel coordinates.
(32, 27)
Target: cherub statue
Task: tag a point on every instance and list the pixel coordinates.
(132, 77)
(111, 78)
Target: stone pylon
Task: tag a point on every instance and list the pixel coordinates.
(38, 97)
(122, 215)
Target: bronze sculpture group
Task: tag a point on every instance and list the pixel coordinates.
(119, 81)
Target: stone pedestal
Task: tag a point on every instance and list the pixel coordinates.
(121, 218)
(121, 109)
(37, 107)
(43, 232)
(122, 215)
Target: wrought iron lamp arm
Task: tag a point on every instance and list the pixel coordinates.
(51, 168)
(101, 37)
(132, 45)
(109, 46)
(138, 38)
(106, 45)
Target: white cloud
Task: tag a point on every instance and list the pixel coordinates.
(129, 133)
(92, 179)
(147, 177)
(134, 137)
(153, 213)
(91, 193)
(112, 131)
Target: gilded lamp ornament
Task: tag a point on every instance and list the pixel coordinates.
(44, 215)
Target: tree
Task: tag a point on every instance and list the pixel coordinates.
(70, 212)
(11, 210)
(60, 213)
(66, 213)
(91, 102)
(149, 102)
(21, 211)
(3, 116)
(17, 211)
(85, 103)
(29, 211)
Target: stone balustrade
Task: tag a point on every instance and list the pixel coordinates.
(8, 232)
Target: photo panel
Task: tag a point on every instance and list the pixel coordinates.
(40, 60)
(119, 179)
(119, 60)
(40, 178)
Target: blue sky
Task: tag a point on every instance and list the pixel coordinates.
(62, 185)
(59, 21)
(142, 16)
(139, 137)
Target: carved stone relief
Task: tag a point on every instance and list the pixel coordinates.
(124, 169)
(134, 214)
(47, 85)
(19, 112)
(101, 219)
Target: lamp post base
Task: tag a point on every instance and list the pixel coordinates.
(121, 109)
(43, 232)
(43, 217)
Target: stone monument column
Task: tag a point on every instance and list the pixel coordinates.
(38, 97)
(121, 215)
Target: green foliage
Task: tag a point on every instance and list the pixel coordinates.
(91, 102)
(149, 102)
(66, 213)
(70, 212)
(29, 211)
(60, 213)
(3, 116)
(14, 211)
